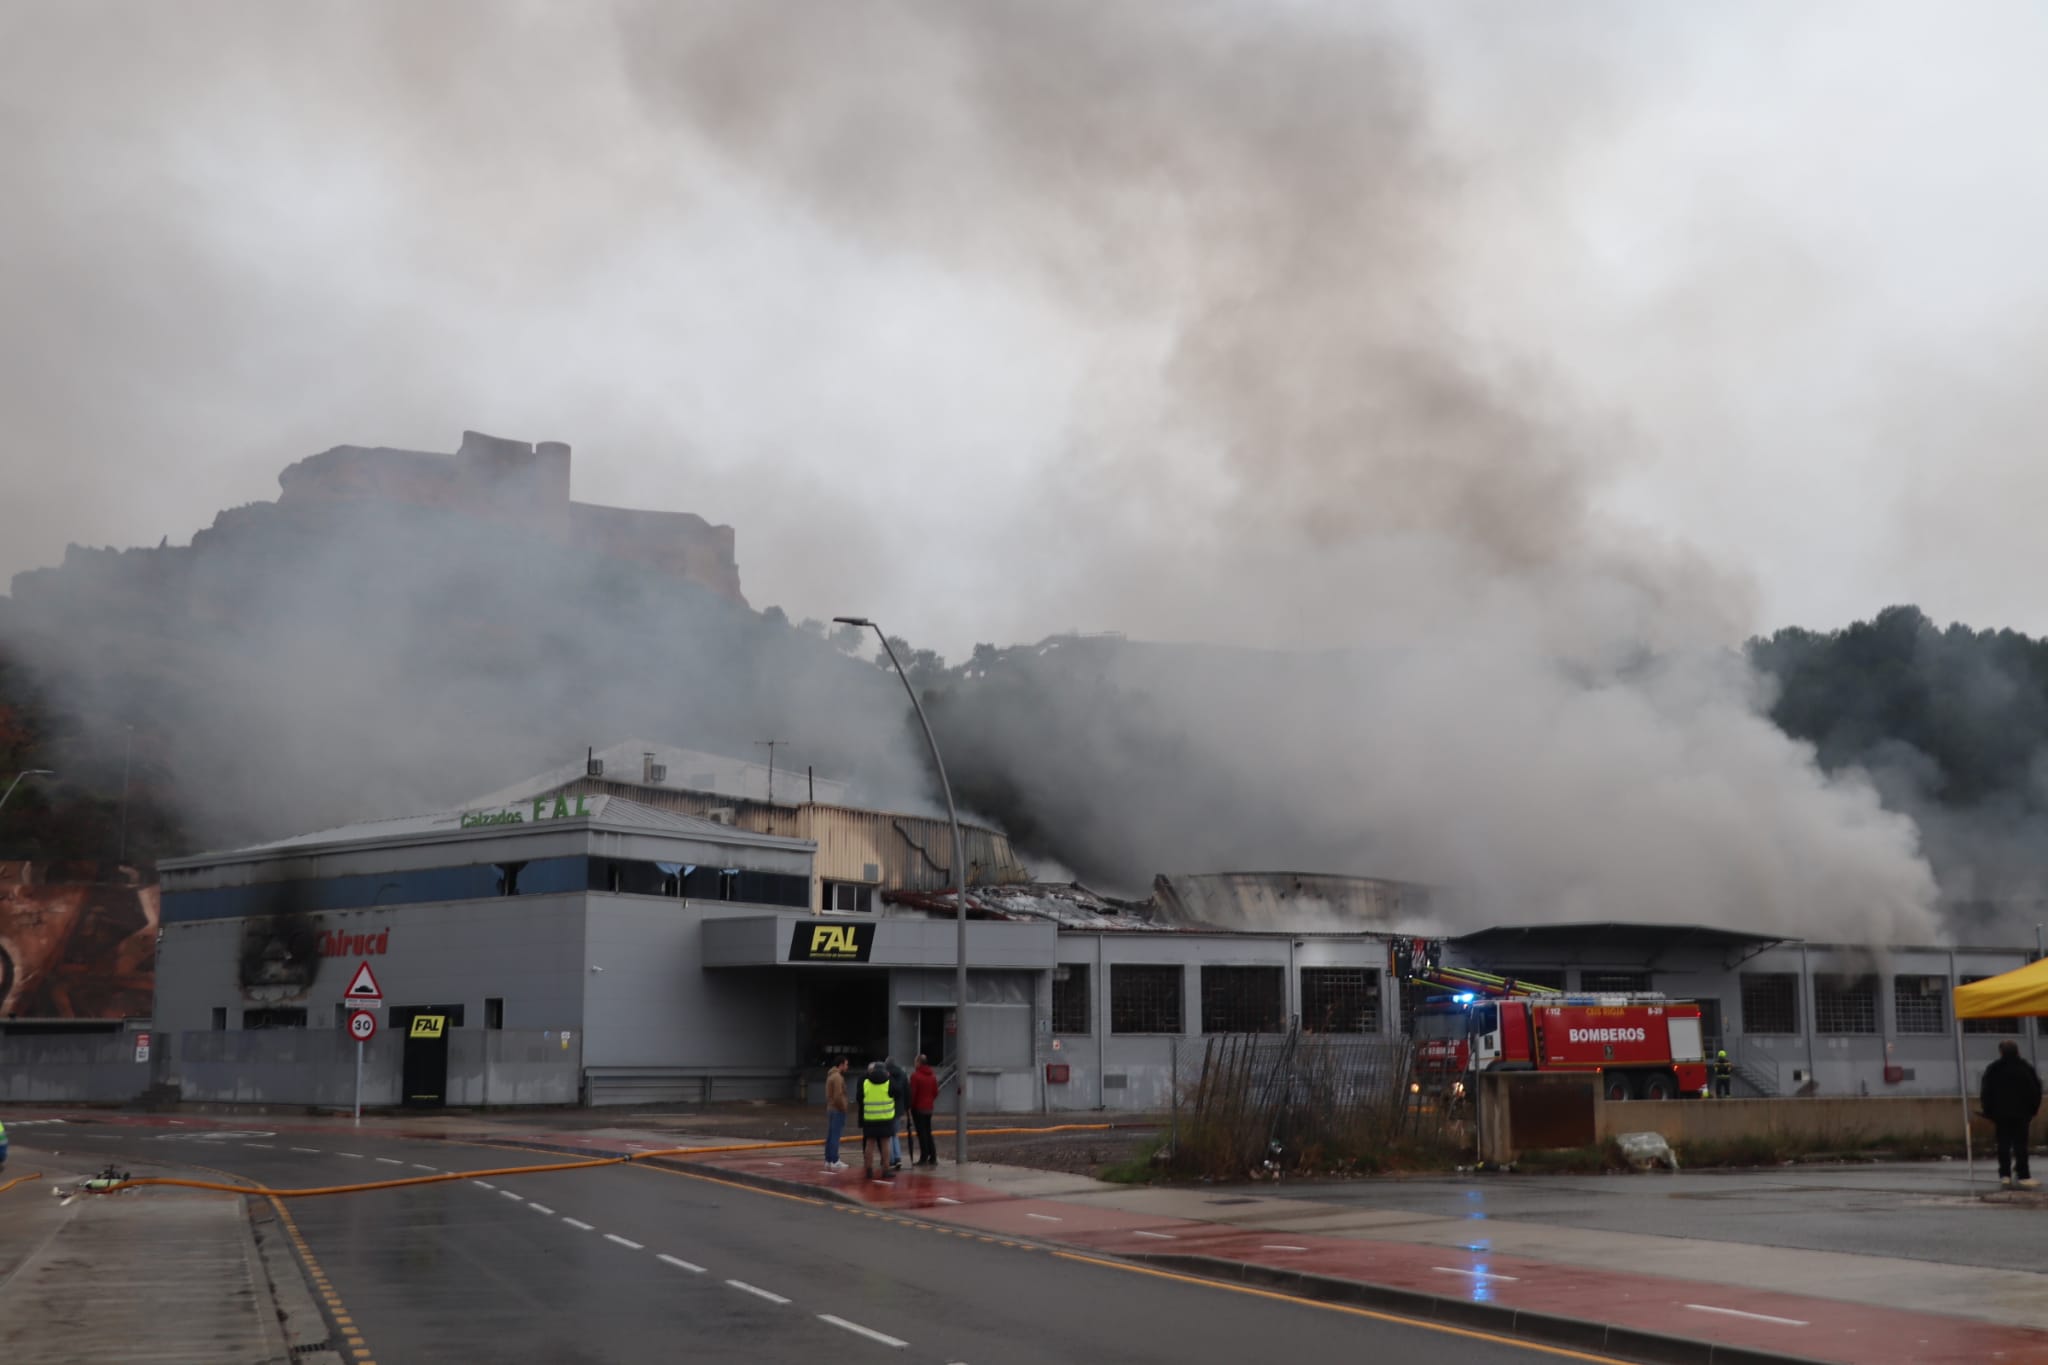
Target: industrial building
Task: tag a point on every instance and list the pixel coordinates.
(606, 934)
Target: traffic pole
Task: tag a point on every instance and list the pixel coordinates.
(359, 1080)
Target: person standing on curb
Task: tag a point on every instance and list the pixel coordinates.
(835, 1113)
(1724, 1075)
(877, 1121)
(924, 1097)
(899, 1091)
(2010, 1097)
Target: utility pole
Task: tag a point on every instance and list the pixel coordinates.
(769, 745)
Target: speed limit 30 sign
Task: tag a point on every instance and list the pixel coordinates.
(362, 1026)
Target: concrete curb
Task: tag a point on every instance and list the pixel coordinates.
(1548, 1329)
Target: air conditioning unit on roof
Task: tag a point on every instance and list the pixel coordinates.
(723, 815)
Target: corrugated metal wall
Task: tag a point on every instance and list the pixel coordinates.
(901, 852)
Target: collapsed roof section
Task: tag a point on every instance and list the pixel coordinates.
(1068, 905)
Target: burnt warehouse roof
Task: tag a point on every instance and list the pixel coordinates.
(1609, 944)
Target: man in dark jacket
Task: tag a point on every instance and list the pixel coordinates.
(924, 1097)
(2010, 1097)
(899, 1090)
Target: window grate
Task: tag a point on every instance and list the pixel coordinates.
(1600, 983)
(1920, 1003)
(1844, 1004)
(1070, 1000)
(1145, 999)
(1340, 1000)
(1770, 1002)
(1243, 999)
(1987, 1025)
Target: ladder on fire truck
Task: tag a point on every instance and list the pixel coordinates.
(1469, 981)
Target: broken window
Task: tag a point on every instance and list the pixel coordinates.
(1340, 1000)
(1920, 1003)
(1770, 1002)
(1244, 999)
(1145, 999)
(1071, 1012)
(1844, 1004)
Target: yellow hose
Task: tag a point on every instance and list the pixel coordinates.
(32, 1175)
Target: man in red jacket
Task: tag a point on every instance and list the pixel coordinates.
(924, 1097)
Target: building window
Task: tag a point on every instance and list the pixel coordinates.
(1919, 1004)
(1987, 1025)
(1844, 1004)
(1614, 983)
(1552, 977)
(494, 1012)
(276, 1016)
(1145, 999)
(1071, 1007)
(1244, 999)
(1770, 1002)
(1340, 1000)
(220, 1018)
(849, 897)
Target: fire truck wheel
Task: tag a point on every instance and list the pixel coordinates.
(1661, 1085)
(1619, 1086)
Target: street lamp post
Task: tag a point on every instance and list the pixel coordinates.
(959, 900)
(30, 772)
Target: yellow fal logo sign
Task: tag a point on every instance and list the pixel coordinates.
(829, 942)
(428, 1025)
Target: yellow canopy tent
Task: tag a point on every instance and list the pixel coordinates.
(2018, 994)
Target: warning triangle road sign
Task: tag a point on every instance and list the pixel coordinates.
(363, 988)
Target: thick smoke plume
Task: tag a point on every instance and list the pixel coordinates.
(1250, 257)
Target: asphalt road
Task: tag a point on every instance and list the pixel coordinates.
(1918, 1211)
(629, 1264)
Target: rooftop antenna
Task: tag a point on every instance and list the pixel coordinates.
(769, 745)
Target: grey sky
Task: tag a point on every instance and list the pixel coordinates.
(1774, 275)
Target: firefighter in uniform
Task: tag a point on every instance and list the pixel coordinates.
(1724, 1074)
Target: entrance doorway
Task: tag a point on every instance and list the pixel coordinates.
(423, 1073)
(842, 1013)
(934, 1034)
(1710, 1026)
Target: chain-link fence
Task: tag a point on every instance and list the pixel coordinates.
(1251, 1103)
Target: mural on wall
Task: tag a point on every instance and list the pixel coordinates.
(77, 941)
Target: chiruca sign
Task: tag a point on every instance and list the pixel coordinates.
(341, 943)
(541, 808)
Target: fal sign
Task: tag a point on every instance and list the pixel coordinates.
(826, 942)
(540, 808)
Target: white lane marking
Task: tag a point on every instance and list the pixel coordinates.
(628, 1245)
(680, 1264)
(746, 1288)
(309, 1151)
(1155, 1236)
(507, 1194)
(771, 1163)
(262, 1146)
(353, 1156)
(870, 1333)
(944, 1200)
(1755, 1317)
(390, 1161)
(538, 1208)
(483, 1184)
(1276, 1246)
(1475, 1274)
(577, 1223)
(1042, 1217)
(420, 1166)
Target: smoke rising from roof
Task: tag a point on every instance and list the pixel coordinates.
(1227, 323)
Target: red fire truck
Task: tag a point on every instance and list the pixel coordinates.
(1644, 1047)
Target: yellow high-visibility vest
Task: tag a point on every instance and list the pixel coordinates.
(877, 1105)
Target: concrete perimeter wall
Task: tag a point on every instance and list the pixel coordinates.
(1846, 1119)
(317, 1067)
(81, 1069)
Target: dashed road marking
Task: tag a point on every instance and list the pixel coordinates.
(624, 1242)
(1281, 1246)
(390, 1161)
(1475, 1274)
(262, 1146)
(309, 1151)
(943, 1200)
(508, 1194)
(757, 1291)
(353, 1156)
(1043, 1217)
(1754, 1317)
(1155, 1236)
(538, 1208)
(870, 1333)
(422, 1166)
(483, 1184)
(680, 1264)
(578, 1223)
